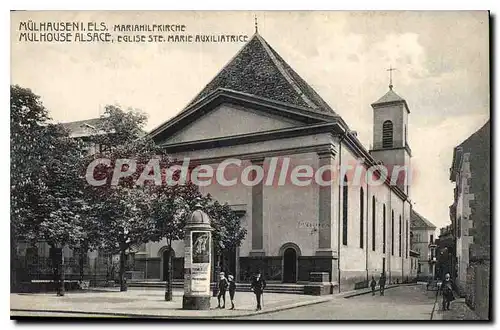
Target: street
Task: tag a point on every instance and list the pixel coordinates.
(402, 303)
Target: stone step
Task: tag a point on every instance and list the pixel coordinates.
(241, 287)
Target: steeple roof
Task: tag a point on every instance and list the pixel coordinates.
(390, 96)
(257, 69)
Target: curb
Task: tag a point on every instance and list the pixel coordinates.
(355, 294)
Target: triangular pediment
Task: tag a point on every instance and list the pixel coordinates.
(228, 120)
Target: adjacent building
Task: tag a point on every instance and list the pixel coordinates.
(471, 218)
(423, 232)
(446, 258)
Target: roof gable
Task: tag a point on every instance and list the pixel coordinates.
(418, 221)
(257, 69)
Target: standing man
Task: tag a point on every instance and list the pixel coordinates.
(373, 284)
(446, 289)
(381, 283)
(232, 289)
(223, 284)
(258, 286)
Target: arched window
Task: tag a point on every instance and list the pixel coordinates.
(383, 230)
(361, 212)
(407, 238)
(373, 223)
(387, 133)
(344, 210)
(392, 232)
(400, 237)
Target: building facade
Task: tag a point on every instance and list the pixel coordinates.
(423, 232)
(471, 218)
(260, 111)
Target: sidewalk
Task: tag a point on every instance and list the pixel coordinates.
(150, 303)
(458, 311)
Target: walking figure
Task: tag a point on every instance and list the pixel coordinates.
(223, 284)
(232, 289)
(373, 284)
(258, 286)
(381, 283)
(446, 290)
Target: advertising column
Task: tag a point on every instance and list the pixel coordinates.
(197, 256)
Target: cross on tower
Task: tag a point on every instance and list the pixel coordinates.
(256, 25)
(390, 76)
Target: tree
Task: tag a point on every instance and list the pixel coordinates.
(228, 232)
(46, 194)
(171, 206)
(124, 213)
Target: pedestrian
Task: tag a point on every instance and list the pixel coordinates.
(223, 284)
(446, 290)
(232, 289)
(381, 284)
(373, 284)
(258, 286)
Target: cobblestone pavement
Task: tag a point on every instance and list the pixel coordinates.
(401, 303)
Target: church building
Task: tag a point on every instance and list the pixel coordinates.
(258, 110)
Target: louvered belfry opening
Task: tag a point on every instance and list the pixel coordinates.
(387, 133)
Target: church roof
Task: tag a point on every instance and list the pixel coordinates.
(257, 69)
(418, 221)
(390, 96)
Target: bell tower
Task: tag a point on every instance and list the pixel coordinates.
(390, 136)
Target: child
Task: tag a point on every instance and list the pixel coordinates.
(373, 284)
(232, 289)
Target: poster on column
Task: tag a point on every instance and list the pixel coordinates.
(200, 262)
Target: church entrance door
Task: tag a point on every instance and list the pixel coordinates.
(290, 266)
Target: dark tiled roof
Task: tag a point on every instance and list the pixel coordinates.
(418, 221)
(481, 136)
(257, 69)
(82, 127)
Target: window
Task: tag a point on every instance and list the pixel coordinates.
(383, 231)
(432, 239)
(392, 232)
(406, 136)
(407, 240)
(373, 223)
(387, 133)
(361, 212)
(400, 237)
(345, 209)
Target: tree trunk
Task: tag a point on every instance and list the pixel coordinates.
(123, 282)
(58, 264)
(217, 272)
(13, 263)
(83, 253)
(168, 282)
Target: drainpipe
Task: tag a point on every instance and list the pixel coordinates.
(367, 220)
(403, 247)
(389, 264)
(342, 137)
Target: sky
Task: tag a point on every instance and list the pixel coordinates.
(442, 62)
